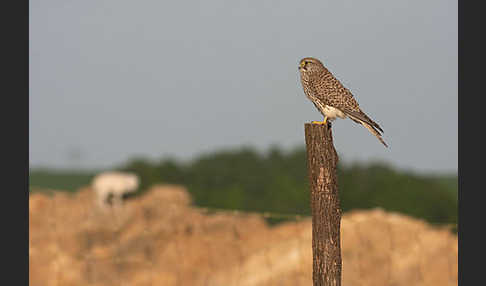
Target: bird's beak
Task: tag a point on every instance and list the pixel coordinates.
(302, 66)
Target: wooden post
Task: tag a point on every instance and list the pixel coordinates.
(326, 212)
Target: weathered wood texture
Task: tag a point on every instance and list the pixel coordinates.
(322, 162)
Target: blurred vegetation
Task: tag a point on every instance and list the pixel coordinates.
(62, 180)
(277, 182)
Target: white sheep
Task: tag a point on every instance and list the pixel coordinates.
(114, 184)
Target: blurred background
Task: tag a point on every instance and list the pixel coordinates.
(203, 101)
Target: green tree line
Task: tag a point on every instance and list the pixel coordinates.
(276, 181)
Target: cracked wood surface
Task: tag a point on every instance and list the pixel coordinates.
(322, 162)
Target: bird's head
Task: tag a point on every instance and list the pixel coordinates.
(308, 65)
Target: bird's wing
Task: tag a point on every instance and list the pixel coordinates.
(360, 115)
(345, 102)
(339, 97)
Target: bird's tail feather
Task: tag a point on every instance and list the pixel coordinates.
(374, 132)
(359, 115)
(371, 128)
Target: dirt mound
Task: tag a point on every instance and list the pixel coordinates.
(159, 238)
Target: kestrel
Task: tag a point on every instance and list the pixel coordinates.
(331, 98)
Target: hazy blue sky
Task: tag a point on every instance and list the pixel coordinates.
(116, 78)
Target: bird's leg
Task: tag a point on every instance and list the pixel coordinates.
(321, 123)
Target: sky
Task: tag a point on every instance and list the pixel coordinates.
(110, 80)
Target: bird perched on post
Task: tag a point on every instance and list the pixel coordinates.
(331, 98)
